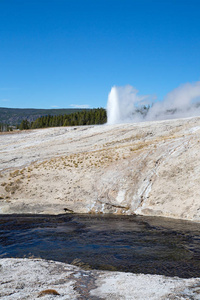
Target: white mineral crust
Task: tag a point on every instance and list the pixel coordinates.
(25, 279)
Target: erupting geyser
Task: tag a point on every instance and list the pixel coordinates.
(113, 109)
(124, 105)
(121, 104)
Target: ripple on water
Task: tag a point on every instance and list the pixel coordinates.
(124, 243)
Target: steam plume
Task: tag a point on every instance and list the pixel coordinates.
(124, 105)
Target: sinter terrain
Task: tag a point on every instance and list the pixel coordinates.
(149, 168)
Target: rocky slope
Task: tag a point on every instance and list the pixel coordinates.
(149, 168)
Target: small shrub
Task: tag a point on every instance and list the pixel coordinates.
(48, 292)
(15, 173)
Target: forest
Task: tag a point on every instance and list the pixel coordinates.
(5, 127)
(84, 117)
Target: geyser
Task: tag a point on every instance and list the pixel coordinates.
(113, 107)
(122, 102)
(124, 105)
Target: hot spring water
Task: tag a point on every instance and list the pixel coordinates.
(124, 243)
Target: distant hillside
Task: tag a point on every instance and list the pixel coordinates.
(14, 116)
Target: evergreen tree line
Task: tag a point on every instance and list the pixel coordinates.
(85, 117)
(5, 127)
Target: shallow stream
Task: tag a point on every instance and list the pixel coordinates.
(123, 243)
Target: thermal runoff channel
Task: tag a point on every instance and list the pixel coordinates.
(125, 105)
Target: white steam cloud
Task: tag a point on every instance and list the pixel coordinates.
(124, 105)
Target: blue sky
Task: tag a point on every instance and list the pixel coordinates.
(65, 53)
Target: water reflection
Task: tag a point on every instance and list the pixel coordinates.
(124, 243)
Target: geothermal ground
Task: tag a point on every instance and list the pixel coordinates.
(34, 278)
(149, 168)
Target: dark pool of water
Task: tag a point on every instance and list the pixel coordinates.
(124, 243)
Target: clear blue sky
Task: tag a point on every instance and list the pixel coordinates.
(58, 53)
